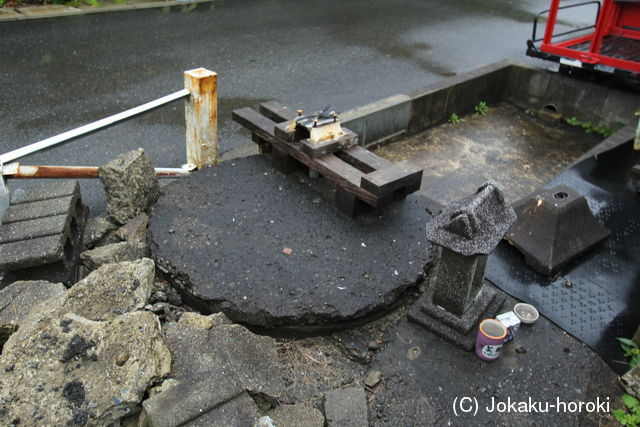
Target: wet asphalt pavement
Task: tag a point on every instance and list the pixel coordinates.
(57, 74)
(60, 73)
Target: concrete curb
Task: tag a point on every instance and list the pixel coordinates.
(403, 115)
(55, 11)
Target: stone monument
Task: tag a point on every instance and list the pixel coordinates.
(464, 234)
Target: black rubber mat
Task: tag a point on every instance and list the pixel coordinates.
(596, 298)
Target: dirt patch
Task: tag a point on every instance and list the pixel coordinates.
(515, 149)
(312, 366)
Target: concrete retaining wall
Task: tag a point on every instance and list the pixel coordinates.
(406, 114)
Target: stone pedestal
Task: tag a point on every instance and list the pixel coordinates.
(465, 233)
(554, 227)
(453, 270)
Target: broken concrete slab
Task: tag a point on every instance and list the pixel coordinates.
(165, 311)
(346, 407)
(228, 348)
(63, 361)
(219, 401)
(136, 230)
(240, 411)
(228, 362)
(109, 291)
(204, 322)
(95, 230)
(296, 415)
(130, 184)
(17, 299)
(220, 235)
(115, 252)
(32, 253)
(163, 292)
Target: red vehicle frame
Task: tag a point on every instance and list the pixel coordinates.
(613, 45)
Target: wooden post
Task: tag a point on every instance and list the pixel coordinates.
(201, 117)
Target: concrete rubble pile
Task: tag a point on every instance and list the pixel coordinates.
(119, 346)
(97, 356)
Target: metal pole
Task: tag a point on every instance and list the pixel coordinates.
(18, 171)
(91, 127)
(551, 22)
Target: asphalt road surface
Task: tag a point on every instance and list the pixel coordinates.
(57, 74)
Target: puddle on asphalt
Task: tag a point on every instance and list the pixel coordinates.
(507, 145)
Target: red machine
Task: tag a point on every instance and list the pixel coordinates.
(612, 44)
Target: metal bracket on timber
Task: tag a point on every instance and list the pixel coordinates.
(363, 179)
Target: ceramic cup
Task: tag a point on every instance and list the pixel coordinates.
(489, 340)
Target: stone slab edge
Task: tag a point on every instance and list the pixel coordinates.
(465, 341)
(398, 108)
(388, 115)
(8, 14)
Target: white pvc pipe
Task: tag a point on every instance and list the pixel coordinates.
(91, 127)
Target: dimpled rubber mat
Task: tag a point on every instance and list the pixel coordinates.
(595, 298)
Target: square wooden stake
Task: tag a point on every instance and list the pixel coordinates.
(201, 117)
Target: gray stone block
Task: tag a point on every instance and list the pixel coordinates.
(44, 191)
(130, 185)
(462, 323)
(228, 348)
(207, 400)
(458, 330)
(554, 227)
(39, 209)
(33, 252)
(33, 228)
(41, 235)
(115, 252)
(136, 230)
(239, 411)
(346, 407)
(458, 281)
(214, 367)
(95, 230)
(297, 415)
